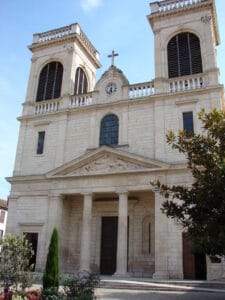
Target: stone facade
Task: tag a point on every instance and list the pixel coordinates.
(75, 183)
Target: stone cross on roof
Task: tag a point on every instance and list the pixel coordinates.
(113, 55)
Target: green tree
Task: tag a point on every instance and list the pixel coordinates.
(200, 208)
(51, 274)
(15, 267)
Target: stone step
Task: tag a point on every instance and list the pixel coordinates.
(163, 285)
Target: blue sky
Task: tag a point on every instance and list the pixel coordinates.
(110, 24)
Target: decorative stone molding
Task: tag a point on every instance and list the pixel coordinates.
(69, 49)
(34, 59)
(206, 19)
(106, 164)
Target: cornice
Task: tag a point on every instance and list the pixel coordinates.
(41, 178)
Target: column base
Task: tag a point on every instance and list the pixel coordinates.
(118, 275)
(161, 275)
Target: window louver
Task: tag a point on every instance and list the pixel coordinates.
(184, 55)
(81, 83)
(50, 82)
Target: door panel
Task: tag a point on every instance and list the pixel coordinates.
(108, 245)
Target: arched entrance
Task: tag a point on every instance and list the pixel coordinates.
(194, 264)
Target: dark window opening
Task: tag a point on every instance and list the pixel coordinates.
(109, 133)
(41, 140)
(188, 123)
(50, 82)
(32, 238)
(81, 83)
(2, 216)
(184, 55)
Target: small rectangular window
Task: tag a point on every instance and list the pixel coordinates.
(188, 123)
(41, 140)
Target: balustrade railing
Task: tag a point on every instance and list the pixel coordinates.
(81, 100)
(134, 91)
(167, 5)
(188, 83)
(141, 90)
(55, 34)
(62, 32)
(48, 106)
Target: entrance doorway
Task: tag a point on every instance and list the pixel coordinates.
(194, 264)
(108, 245)
(32, 238)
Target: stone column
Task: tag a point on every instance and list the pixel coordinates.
(121, 262)
(161, 240)
(85, 253)
(168, 245)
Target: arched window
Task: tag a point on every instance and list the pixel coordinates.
(50, 81)
(81, 83)
(109, 132)
(184, 55)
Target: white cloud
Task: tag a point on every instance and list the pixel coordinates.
(90, 4)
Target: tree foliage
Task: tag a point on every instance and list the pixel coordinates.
(51, 274)
(15, 255)
(200, 208)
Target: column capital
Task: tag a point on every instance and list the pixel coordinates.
(122, 192)
(88, 193)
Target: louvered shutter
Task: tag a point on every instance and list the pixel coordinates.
(184, 55)
(42, 84)
(50, 82)
(172, 52)
(58, 81)
(196, 58)
(81, 82)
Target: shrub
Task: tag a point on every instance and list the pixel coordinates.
(81, 286)
(15, 267)
(52, 294)
(51, 274)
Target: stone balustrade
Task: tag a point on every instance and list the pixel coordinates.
(168, 5)
(141, 90)
(134, 91)
(62, 32)
(81, 100)
(47, 106)
(181, 84)
(56, 33)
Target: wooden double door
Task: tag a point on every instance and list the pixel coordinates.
(194, 264)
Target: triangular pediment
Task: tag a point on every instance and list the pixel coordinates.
(105, 161)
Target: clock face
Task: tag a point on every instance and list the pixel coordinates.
(111, 88)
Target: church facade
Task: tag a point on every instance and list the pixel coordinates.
(88, 150)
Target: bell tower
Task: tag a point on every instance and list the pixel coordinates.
(64, 63)
(186, 36)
